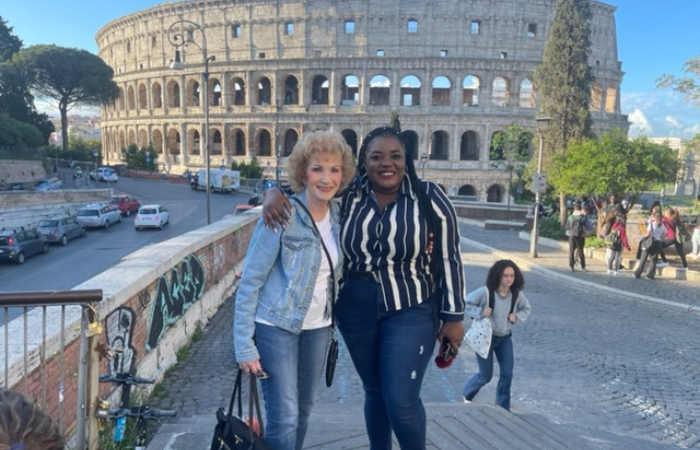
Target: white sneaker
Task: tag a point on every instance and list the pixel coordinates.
(661, 264)
(683, 269)
(617, 272)
(610, 272)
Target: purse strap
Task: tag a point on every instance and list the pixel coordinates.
(325, 250)
(253, 403)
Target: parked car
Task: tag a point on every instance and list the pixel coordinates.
(17, 244)
(154, 216)
(51, 184)
(125, 204)
(104, 174)
(98, 216)
(60, 229)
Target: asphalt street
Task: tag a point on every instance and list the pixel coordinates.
(619, 371)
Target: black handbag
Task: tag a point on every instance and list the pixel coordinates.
(232, 432)
(332, 356)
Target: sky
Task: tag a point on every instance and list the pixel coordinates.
(654, 37)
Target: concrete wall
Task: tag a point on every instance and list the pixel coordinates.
(154, 299)
(13, 171)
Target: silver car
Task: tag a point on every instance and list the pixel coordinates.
(99, 216)
(60, 229)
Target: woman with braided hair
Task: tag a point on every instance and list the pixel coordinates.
(396, 298)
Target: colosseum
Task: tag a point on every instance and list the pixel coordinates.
(458, 72)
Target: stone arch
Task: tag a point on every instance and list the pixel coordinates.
(439, 145)
(409, 90)
(527, 97)
(157, 94)
(441, 91)
(122, 141)
(319, 90)
(291, 90)
(596, 97)
(264, 143)
(469, 147)
(215, 92)
(217, 141)
(494, 194)
(157, 141)
(350, 91)
(130, 98)
(238, 92)
(467, 190)
(173, 94)
(470, 90)
(610, 99)
(379, 90)
(173, 142)
(410, 137)
(351, 138)
(496, 147)
(194, 141)
(143, 97)
(120, 99)
(143, 138)
(291, 137)
(192, 93)
(500, 92)
(132, 137)
(238, 142)
(264, 92)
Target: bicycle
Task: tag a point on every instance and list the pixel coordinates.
(142, 413)
(264, 185)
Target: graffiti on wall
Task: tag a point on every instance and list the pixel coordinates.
(119, 329)
(173, 296)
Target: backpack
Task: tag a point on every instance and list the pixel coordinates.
(613, 240)
(575, 226)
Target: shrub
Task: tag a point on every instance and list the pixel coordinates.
(551, 228)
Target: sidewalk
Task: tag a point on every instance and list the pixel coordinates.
(202, 383)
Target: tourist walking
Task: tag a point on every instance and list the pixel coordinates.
(675, 235)
(504, 303)
(615, 241)
(576, 231)
(657, 231)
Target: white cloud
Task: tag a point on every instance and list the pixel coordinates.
(661, 113)
(639, 125)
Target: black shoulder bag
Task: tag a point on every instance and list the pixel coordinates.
(332, 356)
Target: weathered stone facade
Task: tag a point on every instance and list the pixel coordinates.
(457, 71)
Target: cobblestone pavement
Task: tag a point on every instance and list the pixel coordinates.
(621, 373)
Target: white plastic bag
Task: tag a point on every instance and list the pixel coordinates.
(479, 336)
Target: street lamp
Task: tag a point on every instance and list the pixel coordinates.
(179, 36)
(95, 152)
(542, 123)
(423, 162)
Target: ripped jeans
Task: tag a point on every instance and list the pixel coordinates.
(391, 352)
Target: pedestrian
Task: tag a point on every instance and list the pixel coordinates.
(657, 231)
(617, 237)
(284, 301)
(394, 290)
(695, 239)
(502, 300)
(674, 231)
(576, 231)
(612, 209)
(23, 426)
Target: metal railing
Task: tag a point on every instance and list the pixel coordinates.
(37, 361)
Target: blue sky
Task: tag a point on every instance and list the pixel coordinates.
(654, 37)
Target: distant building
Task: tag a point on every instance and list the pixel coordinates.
(458, 73)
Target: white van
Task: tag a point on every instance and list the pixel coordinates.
(221, 180)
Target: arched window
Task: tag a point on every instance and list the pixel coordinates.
(379, 90)
(439, 146)
(350, 94)
(596, 97)
(410, 137)
(441, 91)
(467, 190)
(409, 90)
(193, 142)
(494, 194)
(499, 92)
(157, 141)
(216, 142)
(351, 138)
(291, 137)
(215, 93)
(610, 99)
(173, 142)
(470, 91)
(264, 92)
(469, 147)
(238, 92)
(239, 143)
(157, 96)
(264, 143)
(173, 94)
(527, 94)
(496, 147)
(319, 90)
(192, 93)
(291, 91)
(143, 97)
(131, 99)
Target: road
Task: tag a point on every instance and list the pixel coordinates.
(65, 267)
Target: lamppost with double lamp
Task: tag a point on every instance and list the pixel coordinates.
(180, 35)
(423, 162)
(539, 185)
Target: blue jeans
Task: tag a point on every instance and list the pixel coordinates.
(295, 364)
(391, 352)
(502, 346)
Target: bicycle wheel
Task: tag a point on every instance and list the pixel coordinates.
(260, 186)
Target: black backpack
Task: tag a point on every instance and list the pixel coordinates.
(575, 226)
(613, 240)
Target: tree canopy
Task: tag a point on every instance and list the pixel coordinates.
(613, 165)
(689, 86)
(69, 76)
(14, 133)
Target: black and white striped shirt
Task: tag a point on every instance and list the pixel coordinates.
(392, 245)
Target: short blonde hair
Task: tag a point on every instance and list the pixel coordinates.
(314, 143)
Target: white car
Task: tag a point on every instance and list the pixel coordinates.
(154, 216)
(104, 174)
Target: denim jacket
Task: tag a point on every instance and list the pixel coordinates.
(279, 277)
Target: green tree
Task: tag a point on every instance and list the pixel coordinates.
(564, 80)
(68, 75)
(14, 133)
(613, 165)
(689, 85)
(135, 157)
(510, 151)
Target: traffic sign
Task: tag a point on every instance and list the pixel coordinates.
(539, 183)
